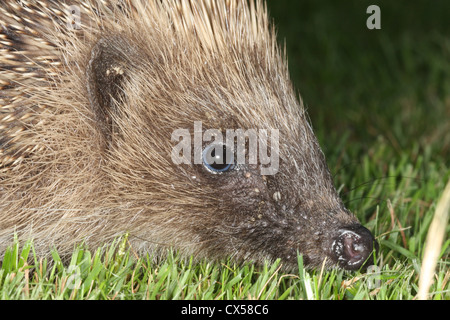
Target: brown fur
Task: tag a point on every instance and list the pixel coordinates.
(87, 159)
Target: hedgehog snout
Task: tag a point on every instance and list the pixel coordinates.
(353, 247)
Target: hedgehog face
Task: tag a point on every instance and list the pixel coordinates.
(258, 217)
(227, 203)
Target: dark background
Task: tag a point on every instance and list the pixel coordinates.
(364, 88)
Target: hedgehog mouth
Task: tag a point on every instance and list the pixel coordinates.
(353, 247)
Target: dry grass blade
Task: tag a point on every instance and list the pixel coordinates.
(434, 242)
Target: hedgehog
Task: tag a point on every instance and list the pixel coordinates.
(92, 94)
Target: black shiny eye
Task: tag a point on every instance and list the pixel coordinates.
(218, 158)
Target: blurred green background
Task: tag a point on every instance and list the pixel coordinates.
(365, 88)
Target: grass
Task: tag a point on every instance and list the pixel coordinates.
(380, 105)
(112, 274)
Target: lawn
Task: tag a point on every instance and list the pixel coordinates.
(379, 102)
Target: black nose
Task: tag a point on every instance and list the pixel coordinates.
(353, 247)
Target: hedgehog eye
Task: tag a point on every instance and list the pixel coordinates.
(218, 158)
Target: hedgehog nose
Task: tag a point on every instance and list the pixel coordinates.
(353, 247)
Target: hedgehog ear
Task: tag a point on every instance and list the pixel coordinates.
(105, 74)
